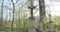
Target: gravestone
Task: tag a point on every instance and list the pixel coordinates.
(31, 25)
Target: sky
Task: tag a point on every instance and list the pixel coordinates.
(54, 7)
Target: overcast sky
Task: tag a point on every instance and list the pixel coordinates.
(54, 6)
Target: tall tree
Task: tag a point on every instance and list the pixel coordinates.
(42, 14)
(13, 13)
(2, 13)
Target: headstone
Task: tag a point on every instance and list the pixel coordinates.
(31, 26)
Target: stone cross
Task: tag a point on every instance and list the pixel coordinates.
(31, 19)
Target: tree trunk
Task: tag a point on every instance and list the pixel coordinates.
(1, 22)
(42, 14)
(13, 13)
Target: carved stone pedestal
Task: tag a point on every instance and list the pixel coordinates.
(31, 25)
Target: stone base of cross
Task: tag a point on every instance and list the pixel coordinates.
(31, 25)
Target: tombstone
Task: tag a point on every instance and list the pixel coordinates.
(41, 27)
(51, 25)
(31, 25)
